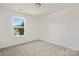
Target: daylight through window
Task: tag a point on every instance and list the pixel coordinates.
(18, 26)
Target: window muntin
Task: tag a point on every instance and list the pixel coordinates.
(18, 26)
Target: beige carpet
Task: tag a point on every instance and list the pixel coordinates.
(38, 48)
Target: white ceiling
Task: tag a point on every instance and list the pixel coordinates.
(29, 8)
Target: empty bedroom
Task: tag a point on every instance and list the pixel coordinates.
(39, 29)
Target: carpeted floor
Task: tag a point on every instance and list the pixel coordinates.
(38, 48)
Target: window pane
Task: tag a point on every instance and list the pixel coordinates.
(18, 26)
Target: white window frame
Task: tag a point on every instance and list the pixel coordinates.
(13, 27)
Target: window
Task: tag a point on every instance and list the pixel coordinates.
(18, 26)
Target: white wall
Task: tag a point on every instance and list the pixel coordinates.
(62, 28)
(6, 38)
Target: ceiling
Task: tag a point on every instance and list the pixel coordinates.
(31, 9)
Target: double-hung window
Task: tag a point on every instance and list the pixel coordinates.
(18, 26)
